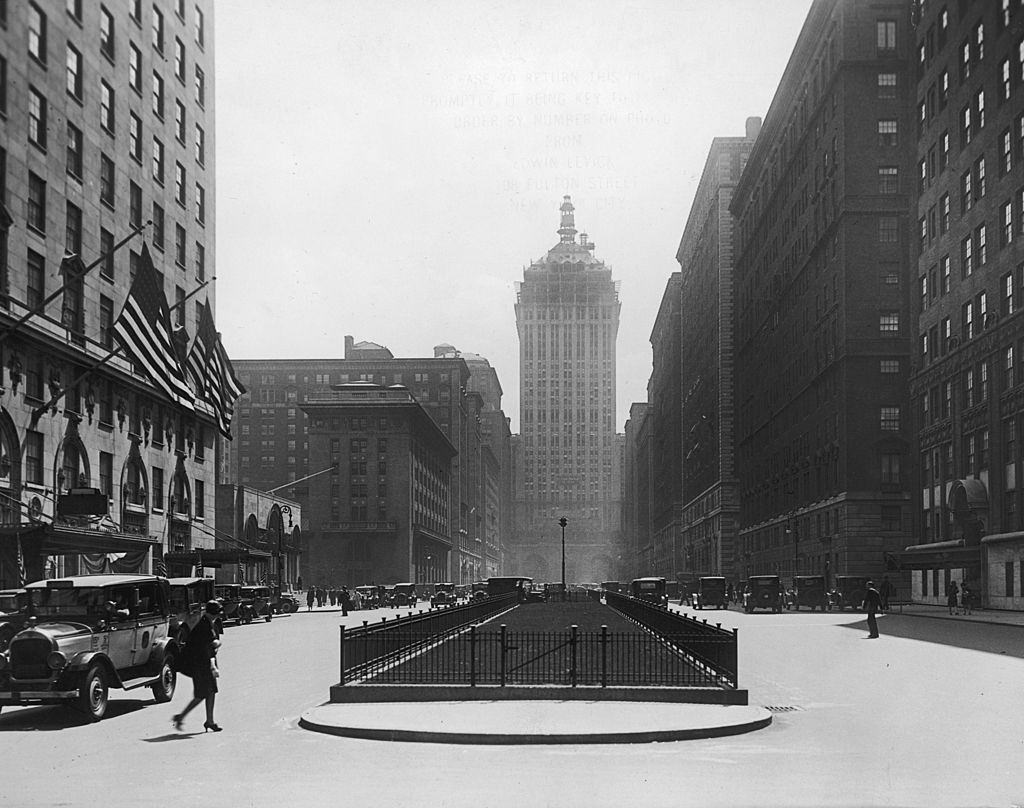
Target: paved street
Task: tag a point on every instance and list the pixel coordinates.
(911, 719)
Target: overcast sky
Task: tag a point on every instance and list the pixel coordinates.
(387, 169)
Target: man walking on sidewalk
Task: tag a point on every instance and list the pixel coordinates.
(872, 603)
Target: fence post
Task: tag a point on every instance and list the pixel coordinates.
(503, 651)
(572, 644)
(736, 657)
(472, 656)
(604, 656)
(342, 655)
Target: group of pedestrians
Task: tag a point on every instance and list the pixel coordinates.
(959, 599)
(317, 595)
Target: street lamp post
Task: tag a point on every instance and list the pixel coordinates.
(562, 523)
(282, 510)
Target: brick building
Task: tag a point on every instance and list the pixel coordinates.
(384, 511)
(272, 449)
(823, 247)
(968, 384)
(709, 487)
(106, 115)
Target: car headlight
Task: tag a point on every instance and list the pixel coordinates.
(55, 660)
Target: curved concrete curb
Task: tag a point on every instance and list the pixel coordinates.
(533, 722)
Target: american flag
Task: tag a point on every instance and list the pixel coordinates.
(144, 329)
(211, 371)
(22, 575)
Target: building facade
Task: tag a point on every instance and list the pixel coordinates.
(709, 487)
(106, 115)
(567, 315)
(637, 542)
(968, 384)
(822, 275)
(391, 464)
(272, 450)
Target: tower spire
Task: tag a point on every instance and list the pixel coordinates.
(568, 229)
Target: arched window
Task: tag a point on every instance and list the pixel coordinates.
(10, 471)
(134, 497)
(72, 466)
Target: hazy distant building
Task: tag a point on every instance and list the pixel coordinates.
(704, 403)
(567, 314)
(637, 544)
(822, 275)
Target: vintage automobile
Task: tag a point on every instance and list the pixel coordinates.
(649, 589)
(711, 593)
(554, 591)
(443, 595)
(534, 593)
(611, 586)
(262, 600)
(808, 590)
(85, 634)
(371, 596)
(849, 591)
(287, 603)
(763, 592)
(236, 607)
(12, 614)
(404, 594)
(479, 590)
(188, 603)
(500, 585)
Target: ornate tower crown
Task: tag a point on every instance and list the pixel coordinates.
(568, 229)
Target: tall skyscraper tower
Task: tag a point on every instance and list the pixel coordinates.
(568, 456)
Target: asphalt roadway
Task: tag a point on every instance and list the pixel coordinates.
(929, 715)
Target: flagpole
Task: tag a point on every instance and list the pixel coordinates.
(41, 308)
(39, 411)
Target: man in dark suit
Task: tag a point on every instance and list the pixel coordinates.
(872, 603)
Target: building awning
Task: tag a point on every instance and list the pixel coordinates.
(65, 539)
(215, 556)
(995, 538)
(943, 555)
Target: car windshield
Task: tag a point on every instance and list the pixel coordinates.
(79, 603)
(9, 603)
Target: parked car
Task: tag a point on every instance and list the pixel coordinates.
(404, 594)
(236, 607)
(808, 590)
(479, 590)
(763, 592)
(12, 614)
(443, 595)
(534, 593)
(188, 604)
(262, 600)
(89, 633)
(651, 590)
(711, 593)
(287, 603)
(849, 591)
(371, 596)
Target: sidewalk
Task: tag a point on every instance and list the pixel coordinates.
(997, 617)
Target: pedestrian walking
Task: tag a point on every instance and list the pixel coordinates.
(346, 601)
(952, 598)
(332, 595)
(872, 603)
(199, 660)
(966, 599)
(310, 597)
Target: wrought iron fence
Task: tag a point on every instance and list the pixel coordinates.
(482, 656)
(708, 646)
(375, 646)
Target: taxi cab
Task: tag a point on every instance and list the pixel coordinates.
(86, 634)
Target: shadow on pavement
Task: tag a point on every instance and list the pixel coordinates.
(55, 717)
(988, 637)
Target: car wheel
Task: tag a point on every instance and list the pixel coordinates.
(163, 688)
(93, 693)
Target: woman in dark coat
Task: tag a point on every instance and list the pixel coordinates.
(199, 660)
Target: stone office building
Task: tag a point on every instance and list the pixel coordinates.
(822, 275)
(106, 121)
(569, 463)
